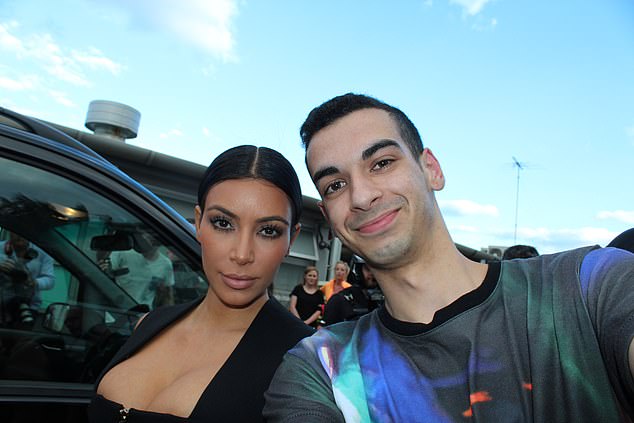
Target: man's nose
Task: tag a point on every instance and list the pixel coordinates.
(363, 192)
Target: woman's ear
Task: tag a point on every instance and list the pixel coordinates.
(294, 235)
(197, 218)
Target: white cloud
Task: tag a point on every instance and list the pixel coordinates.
(206, 132)
(45, 53)
(7, 41)
(95, 59)
(22, 83)
(467, 208)
(61, 98)
(484, 25)
(551, 240)
(204, 23)
(172, 133)
(209, 70)
(470, 7)
(465, 228)
(621, 215)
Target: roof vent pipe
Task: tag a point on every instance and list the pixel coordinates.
(113, 120)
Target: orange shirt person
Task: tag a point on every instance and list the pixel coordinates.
(337, 284)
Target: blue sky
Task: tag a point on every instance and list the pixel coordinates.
(550, 83)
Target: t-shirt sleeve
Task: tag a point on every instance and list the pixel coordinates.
(300, 391)
(607, 280)
(295, 291)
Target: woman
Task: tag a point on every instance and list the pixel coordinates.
(212, 359)
(339, 282)
(306, 298)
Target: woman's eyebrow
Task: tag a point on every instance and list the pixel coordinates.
(279, 219)
(222, 210)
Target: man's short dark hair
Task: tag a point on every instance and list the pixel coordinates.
(519, 251)
(624, 241)
(340, 106)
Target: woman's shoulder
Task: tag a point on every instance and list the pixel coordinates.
(164, 315)
(282, 323)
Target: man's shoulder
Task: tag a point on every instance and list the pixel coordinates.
(335, 337)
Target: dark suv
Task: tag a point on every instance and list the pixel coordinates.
(100, 232)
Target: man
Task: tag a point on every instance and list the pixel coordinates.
(362, 297)
(25, 270)
(545, 339)
(519, 251)
(144, 272)
(625, 240)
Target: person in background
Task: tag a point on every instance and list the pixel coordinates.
(144, 272)
(519, 251)
(338, 283)
(624, 241)
(361, 298)
(26, 270)
(307, 299)
(212, 359)
(549, 339)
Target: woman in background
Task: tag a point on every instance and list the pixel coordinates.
(213, 358)
(338, 283)
(306, 299)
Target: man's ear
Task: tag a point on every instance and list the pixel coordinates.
(431, 168)
(197, 217)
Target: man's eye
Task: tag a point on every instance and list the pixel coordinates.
(334, 187)
(382, 164)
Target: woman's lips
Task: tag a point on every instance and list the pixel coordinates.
(378, 224)
(238, 281)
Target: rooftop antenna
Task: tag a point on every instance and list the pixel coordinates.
(519, 166)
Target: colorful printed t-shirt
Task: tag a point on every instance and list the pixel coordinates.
(543, 339)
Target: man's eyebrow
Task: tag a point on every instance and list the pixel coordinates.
(369, 152)
(330, 170)
(365, 155)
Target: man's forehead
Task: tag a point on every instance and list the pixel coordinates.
(349, 136)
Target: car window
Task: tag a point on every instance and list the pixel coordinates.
(77, 269)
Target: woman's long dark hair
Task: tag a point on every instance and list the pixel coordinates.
(249, 161)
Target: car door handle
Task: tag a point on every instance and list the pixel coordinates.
(51, 347)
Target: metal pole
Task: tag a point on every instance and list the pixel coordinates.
(517, 197)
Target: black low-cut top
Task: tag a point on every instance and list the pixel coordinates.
(236, 392)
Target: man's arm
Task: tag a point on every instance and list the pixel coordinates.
(608, 274)
(46, 277)
(300, 392)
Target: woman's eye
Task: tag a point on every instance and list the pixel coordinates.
(334, 187)
(270, 232)
(221, 223)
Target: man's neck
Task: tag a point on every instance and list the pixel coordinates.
(413, 293)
